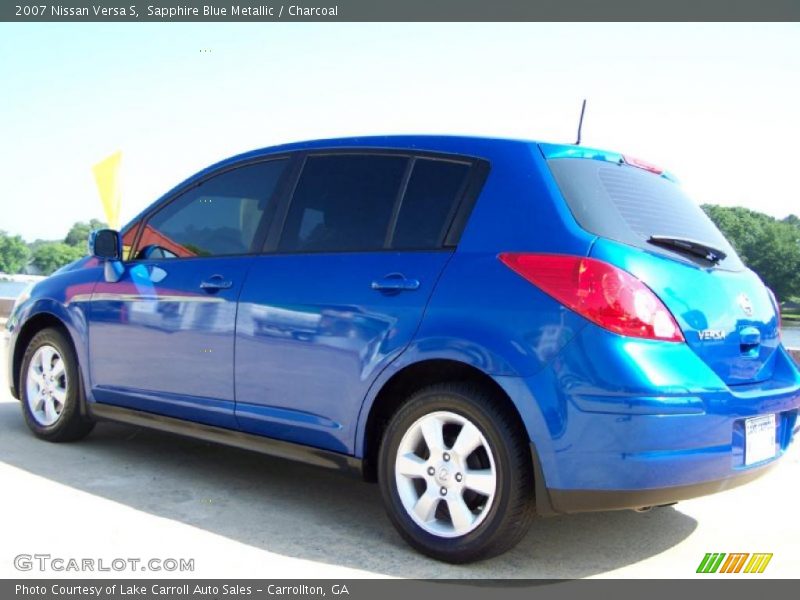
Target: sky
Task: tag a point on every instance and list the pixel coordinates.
(718, 105)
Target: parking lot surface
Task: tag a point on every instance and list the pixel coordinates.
(126, 493)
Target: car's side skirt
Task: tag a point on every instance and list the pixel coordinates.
(350, 465)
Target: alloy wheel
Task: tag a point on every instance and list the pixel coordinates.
(46, 383)
(445, 474)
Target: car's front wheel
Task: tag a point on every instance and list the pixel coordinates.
(456, 475)
(51, 389)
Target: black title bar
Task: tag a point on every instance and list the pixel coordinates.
(400, 10)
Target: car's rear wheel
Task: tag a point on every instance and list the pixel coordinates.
(456, 475)
(51, 389)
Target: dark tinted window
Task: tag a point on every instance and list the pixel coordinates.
(629, 205)
(217, 218)
(430, 198)
(343, 203)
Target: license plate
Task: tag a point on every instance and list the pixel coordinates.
(759, 439)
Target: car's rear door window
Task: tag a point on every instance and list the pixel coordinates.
(368, 202)
(343, 203)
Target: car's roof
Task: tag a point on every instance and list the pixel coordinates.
(410, 141)
(456, 144)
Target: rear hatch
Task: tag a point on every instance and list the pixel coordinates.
(647, 226)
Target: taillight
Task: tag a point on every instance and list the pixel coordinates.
(600, 292)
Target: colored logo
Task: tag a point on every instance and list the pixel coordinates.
(737, 562)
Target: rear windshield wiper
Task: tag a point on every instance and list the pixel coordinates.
(701, 249)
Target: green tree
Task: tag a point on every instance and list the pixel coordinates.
(50, 256)
(768, 246)
(778, 259)
(14, 254)
(79, 233)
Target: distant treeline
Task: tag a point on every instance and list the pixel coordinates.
(44, 256)
(769, 246)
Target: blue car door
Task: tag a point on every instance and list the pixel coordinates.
(161, 339)
(349, 266)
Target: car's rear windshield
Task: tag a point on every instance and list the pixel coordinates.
(629, 204)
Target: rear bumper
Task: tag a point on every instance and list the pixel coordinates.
(576, 501)
(615, 452)
(636, 424)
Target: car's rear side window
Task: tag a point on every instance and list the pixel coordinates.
(628, 204)
(430, 199)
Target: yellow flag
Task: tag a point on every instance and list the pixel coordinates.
(106, 176)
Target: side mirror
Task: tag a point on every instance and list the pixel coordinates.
(105, 244)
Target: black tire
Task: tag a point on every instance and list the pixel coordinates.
(71, 424)
(510, 514)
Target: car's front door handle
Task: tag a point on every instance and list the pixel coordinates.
(395, 282)
(215, 282)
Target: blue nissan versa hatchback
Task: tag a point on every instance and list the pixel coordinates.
(491, 329)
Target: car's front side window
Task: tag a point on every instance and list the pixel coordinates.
(128, 238)
(219, 217)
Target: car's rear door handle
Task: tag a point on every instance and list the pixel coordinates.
(215, 282)
(395, 282)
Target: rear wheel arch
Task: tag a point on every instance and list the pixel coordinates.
(409, 380)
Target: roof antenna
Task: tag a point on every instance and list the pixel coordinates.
(580, 122)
